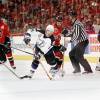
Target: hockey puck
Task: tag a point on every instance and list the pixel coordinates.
(26, 76)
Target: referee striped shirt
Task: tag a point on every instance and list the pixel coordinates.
(78, 33)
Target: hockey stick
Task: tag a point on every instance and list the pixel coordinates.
(46, 71)
(22, 77)
(29, 76)
(10, 70)
(22, 50)
(62, 74)
(26, 76)
(18, 49)
(42, 66)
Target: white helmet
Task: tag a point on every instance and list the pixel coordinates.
(50, 28)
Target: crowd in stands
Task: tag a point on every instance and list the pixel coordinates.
(41, 12)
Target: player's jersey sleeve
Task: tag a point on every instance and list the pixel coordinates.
(4, 32)
(57, 37)
(7, 31)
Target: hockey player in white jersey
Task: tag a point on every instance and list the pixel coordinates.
(43, 46)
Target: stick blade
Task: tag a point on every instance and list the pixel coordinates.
(26, 76)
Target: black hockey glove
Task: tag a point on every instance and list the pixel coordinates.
(56, 48)
(7, 45)
(62, 48)
(65, 32)
(27, 38)
(37, 56)
(7, 42)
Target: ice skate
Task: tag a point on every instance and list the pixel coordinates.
(87, 72)
(13, 67)
(1, 62)
(53, 71)
(76, 71)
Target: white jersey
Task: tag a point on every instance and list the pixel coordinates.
(44, 44)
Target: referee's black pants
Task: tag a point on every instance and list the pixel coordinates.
(77, 57)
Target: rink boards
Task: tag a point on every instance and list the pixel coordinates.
(92, 51)
(92, 59)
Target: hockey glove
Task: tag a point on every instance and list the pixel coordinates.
(56, 48)
(7, 42)
(62, 48)
(7, 45)
(37, 56)
(65, 32)
(27, 38)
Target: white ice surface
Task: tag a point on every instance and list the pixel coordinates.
(70, 87)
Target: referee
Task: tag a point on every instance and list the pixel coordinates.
(79, 37)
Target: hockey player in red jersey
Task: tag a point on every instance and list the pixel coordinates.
(5, 43)
(58, 48)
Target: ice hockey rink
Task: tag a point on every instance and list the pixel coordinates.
(69, 87)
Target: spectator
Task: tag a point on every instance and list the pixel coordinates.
(96, 24)
(28, 9)
(89, 27)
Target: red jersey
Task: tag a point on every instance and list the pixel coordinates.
(4, 31)
(57, 35)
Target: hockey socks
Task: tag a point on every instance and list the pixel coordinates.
(11, 60)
